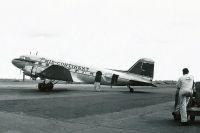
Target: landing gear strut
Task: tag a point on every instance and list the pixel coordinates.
(131, 90)
(45, 87)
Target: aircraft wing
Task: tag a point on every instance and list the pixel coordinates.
(56, 72)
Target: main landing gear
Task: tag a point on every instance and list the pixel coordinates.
(45, 86)
(131, 90)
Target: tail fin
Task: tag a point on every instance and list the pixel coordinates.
(144, 67)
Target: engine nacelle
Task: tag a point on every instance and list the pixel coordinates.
(32, 71)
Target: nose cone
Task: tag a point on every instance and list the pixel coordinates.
(18, 63)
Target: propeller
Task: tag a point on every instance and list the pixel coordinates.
(35, 53)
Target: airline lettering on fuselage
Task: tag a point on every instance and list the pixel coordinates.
(75, 68)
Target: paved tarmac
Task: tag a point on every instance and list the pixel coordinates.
(80, 109)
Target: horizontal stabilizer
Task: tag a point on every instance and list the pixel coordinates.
(138, 83)
(56, 72)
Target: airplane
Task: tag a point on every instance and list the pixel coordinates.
(51, 71)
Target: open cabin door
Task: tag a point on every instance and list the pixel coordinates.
(114, 79)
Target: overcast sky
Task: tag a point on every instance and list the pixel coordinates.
(103, 33)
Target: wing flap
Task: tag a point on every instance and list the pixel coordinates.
(56, 72)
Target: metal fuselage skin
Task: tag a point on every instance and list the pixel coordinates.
(33, 65)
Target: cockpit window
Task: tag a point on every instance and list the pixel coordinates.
(27, 59)
(22, 57)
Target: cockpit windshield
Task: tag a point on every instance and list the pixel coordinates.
(27, 59)
(22, 57)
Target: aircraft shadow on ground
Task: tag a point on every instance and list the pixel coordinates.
(61, 90)
(142, 92)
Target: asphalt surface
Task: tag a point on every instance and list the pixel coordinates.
(80, 109)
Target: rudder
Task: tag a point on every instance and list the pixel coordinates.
(144, 67)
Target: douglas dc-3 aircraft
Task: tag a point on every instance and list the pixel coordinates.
(50, 72)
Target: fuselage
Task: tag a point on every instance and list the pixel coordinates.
(33, 65)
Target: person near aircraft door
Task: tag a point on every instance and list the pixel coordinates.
(185, 84)
(97, 82)
(114, 80)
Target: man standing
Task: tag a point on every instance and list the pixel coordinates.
(98, 81)
(185, 84)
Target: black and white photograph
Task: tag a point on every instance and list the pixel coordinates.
(99, 66)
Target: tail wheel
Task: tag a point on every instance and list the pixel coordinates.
(131, 90)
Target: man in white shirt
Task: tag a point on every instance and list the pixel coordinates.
(185, 84)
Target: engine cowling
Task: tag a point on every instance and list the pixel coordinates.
(32, 71)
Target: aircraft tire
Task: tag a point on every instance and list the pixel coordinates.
(49, 86)
(41, 86)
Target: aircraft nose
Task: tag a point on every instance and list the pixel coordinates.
(17, 63)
